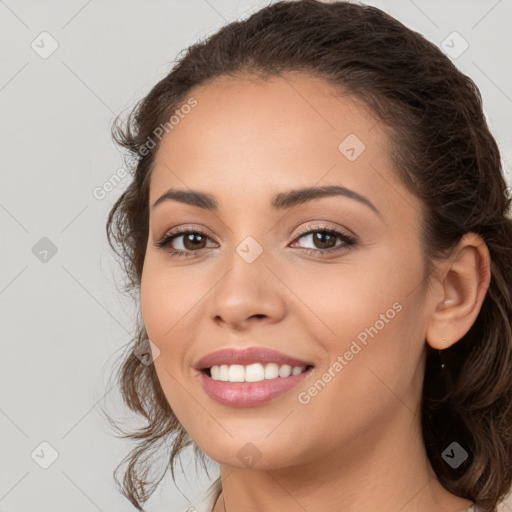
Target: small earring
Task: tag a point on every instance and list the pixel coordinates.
(440, 356)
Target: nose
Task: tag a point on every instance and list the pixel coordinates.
(247, 293)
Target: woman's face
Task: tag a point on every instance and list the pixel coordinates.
(334, 281)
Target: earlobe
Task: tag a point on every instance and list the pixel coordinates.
(463, 285)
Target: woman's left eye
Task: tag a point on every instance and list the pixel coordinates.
(324, 241)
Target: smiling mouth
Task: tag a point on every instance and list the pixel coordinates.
(255, 372)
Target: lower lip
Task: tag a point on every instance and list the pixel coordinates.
(249, 394)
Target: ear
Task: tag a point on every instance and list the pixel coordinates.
(459, 291)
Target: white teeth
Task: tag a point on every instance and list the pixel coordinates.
(236, 373)
(253, 372)
(285, 370)
(215, 371)
(224, 372)
(271, 371)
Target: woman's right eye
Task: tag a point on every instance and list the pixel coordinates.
(192, 241)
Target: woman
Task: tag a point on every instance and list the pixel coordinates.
(319, 230)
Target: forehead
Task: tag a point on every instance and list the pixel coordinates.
(252, 134)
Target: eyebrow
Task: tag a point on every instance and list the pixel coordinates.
(281, 201)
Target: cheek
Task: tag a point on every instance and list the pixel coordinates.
(171, 303)
(167, 300)
(367, 316)
(154, 305)
(372, 375)
(344, 299)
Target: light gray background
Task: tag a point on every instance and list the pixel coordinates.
(63, 321)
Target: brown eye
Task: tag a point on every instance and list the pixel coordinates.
(184, 243)
(193, 241)
(323, 240)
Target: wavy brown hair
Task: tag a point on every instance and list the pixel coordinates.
(442, 151)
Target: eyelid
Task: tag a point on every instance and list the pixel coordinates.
(185, 228)
(323, 225)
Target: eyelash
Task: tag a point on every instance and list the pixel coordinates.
(347, 240)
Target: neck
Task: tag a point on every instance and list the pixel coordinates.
(386, 469)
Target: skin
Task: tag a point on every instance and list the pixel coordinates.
(357, 444)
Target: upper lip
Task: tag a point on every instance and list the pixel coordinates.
(248, 356)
